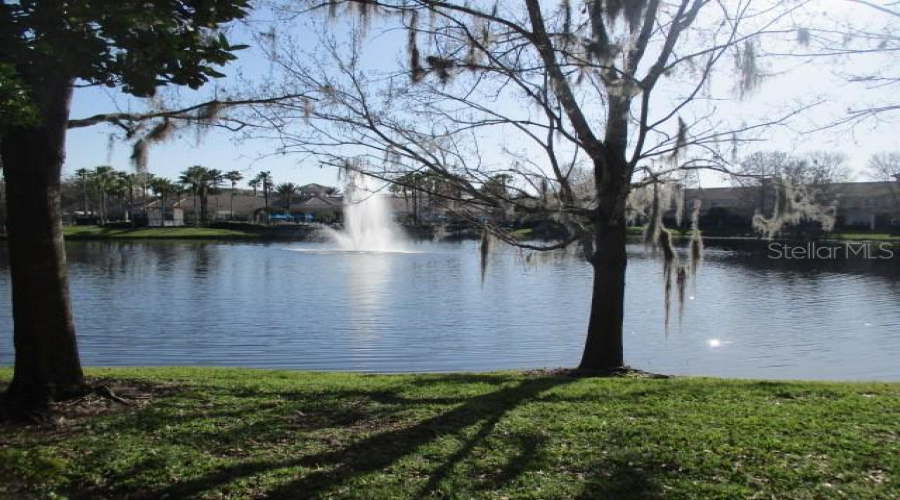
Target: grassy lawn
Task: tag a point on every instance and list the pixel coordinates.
(230, 433)
(639, 231)
(182, 232)
(865, 237)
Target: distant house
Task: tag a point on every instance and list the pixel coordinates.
(871, 204)
(173, 215)
(318, 190)
(246, 206)
(319, 209)
(863, 204)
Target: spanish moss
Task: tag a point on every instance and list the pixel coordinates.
(110, 147)
(139, 154)
(634, 11)
(208, 113)
(803, 37)
(307, 109)
(680, 140)
(649, 204)
(162, 131)
(441, 66)
(485, 251)
(696, 245)
(417, 72)
(793, 205)
(599, 46)
(670, 266)
(748, 69)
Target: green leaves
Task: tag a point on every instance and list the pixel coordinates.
(16, 107)
(134, 44)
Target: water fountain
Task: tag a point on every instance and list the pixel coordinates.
(367, 221)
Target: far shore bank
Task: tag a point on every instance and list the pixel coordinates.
(309, 232)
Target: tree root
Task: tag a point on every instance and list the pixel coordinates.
(39, 414)
(619, 372)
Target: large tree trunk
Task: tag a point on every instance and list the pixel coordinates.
(603, 349)
(47, 367)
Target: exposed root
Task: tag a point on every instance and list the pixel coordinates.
(620, 372)
(94, 400)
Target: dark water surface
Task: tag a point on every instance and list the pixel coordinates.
(302, 306)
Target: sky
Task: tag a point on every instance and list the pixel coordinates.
(791, 80)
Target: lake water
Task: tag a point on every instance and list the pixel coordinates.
(302, 306)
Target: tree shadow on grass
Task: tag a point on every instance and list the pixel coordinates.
(373, 429)
(630, 481)
(376, 452)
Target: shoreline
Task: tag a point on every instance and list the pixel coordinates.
(300, 232)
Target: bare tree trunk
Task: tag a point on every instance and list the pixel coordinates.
(204, 207)
(266, 194)
(84, 191)
(603, 348)
(231, 217)
(128, 215)
(196, 214)
(102, 208)
(47, 367)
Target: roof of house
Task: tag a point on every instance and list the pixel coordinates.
(243, 203)
(315, 189)
(320, 204)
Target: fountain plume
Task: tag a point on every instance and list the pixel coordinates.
(367, 218)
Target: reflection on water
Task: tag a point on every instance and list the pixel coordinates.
(303, 306)
(367, 279)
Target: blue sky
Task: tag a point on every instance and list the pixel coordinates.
(89, 147)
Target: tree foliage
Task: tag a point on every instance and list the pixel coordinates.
(47, 48)
(137, 46)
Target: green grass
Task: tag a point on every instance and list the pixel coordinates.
(522, 234)
(231, 433)
(182, 232)
(678, 233)
(864, 237)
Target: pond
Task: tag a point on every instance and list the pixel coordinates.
(304, 306)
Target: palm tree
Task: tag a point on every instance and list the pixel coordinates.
(83, 174)
(287, 191)
(144, 181)
(253, 183)
(105, 180)
(411, 183)
(234, 176)
(191, 179)
(209, 186)
(129, 182)
(202, 182)
(265, 180)
(162, 186)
